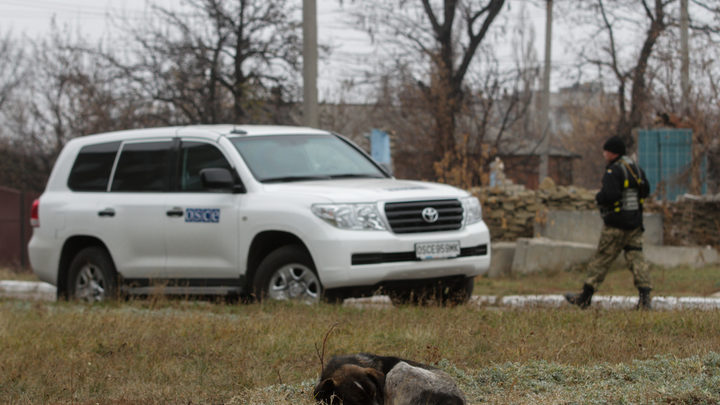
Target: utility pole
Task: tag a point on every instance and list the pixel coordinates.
(545, 98)
(685, 64)
(310, 60)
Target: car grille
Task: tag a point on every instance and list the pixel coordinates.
(407, 217)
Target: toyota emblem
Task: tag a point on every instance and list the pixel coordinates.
(430, 215)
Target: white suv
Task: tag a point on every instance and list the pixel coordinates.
(271, 211)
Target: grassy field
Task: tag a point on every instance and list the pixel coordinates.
(16, 274)
(678, 281)
(174, 351)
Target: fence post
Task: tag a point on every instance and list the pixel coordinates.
(23, 225)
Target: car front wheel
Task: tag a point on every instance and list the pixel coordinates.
(287, 273)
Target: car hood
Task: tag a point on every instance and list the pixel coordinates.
(367, 190)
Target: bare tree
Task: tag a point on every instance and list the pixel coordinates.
(500, 101)
(208, 61)
(612, 48)
(213, 61)
(495, 102)
(66, 94)
(634, 46)
(11, 66)
(445, 37)
(592, 117)
(702, 114)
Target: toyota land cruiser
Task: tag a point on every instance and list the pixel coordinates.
(270, 211)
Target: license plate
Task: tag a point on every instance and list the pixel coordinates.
(437, 250)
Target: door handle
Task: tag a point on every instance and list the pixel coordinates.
(107, 212)
(175, 212)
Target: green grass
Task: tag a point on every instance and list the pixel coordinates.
(174, 351)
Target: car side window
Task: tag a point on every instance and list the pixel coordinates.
(195, 156)
(144, 166)
(92, 167)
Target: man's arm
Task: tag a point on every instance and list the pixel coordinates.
(611, 190)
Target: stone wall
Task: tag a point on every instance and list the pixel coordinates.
(511, 212)
(691, 222)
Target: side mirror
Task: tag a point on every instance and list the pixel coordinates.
(219, 179)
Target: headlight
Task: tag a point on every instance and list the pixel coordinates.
(351, 216)
(472, 210)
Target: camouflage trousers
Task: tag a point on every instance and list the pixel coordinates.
(612, 242)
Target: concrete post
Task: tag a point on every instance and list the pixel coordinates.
(545, 109)
(310, 60)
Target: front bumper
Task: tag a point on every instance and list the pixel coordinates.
(365, 258)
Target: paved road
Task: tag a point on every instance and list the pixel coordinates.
(38, 291)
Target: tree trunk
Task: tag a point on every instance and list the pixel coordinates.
(638, 95)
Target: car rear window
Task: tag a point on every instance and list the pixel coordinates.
(92, 167)
(144, 166)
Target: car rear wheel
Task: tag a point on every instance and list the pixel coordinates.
(92, 276)
(287, 273)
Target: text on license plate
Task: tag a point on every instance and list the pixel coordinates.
(437, 250)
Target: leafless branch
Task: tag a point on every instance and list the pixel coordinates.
(321, 353)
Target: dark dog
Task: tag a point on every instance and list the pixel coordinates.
(355, 379)
(350, 384)
(360, 379)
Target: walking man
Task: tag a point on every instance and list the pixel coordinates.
(624, 186)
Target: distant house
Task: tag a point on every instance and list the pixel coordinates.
(522, 166)
(518, 147)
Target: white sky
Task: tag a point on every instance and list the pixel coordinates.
(352, 52)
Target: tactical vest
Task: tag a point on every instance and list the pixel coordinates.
(630, 200)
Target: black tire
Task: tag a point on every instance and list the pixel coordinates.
(459, 291)
(428, 294)
(287, 273)
(403, 296)
(454, 291)
(92, 276)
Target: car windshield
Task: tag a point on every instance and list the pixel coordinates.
(285, 158)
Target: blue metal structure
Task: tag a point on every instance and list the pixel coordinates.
(380, 147)
(666, 157)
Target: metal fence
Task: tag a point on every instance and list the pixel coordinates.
(666, 156)
(15, 230)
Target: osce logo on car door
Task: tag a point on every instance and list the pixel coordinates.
(202, 215)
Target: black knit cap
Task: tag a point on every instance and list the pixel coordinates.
(615, 145)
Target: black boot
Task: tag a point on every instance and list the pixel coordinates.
(644, 299)
(583, 299)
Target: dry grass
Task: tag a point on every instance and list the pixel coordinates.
(199, 352)
(171, 351)
(678, 281)
(8, 273)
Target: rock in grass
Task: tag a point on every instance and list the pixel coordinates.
(409, 385)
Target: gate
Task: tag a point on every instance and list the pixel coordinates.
(15, 230)
(666, 156)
